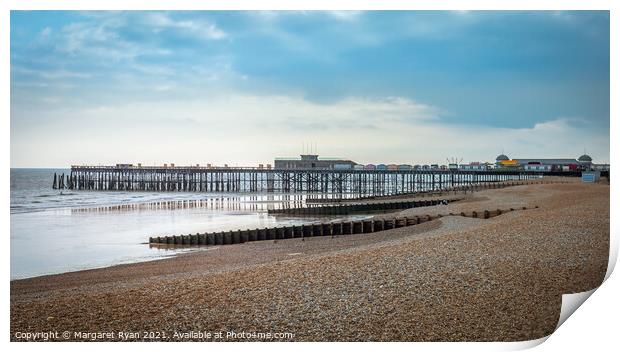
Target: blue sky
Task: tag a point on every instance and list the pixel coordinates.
(244, 87)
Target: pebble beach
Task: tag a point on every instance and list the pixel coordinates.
(450, 279)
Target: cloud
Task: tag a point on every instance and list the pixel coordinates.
(103, 36)
(50, 74)
(347, 15)
(176, 85)
(45, 32)
(560, 124)
(156, 70)
(199, 28)
(273, 15)
(290, 113)
(557, 138)
(96, 40)
(264, 112)
(255, 128)
(163, 87)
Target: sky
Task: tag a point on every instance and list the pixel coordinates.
(241, 88)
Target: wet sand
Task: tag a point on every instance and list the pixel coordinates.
(451, 279)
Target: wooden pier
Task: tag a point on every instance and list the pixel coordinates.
(210, 179)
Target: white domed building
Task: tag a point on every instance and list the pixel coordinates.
(585, 161)
(500, 158)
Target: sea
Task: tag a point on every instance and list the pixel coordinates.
(56, 231)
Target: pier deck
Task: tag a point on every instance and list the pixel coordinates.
(210, 179)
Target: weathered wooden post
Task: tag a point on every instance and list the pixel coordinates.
(262, 234)
(202, 239)
(296, 231)
(367, 226)
(396, 223)
(244, 236)
(228, 237)
(271, 234)
(289, 232)
(379, 225)
(357, 227)
(278, 233)
(326, 229)
(347, 228)
(317, 230)
(253, 236)
(337, 229)
(219, 238)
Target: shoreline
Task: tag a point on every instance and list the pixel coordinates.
(445, 194)
(337, 282)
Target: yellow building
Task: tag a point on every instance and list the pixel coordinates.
(509, 164)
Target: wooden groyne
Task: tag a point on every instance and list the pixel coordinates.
(345, 209)
(311, 230)
(470, 188)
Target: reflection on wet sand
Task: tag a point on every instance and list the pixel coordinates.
(253, 203)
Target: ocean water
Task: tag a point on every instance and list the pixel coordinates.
(54, 231)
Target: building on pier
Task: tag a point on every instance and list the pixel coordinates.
(551, 164)
(583, 163)
(312, 161)
(475, 166)
(501, 158)
(600, 167)
(508, 165)
(537, 167)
